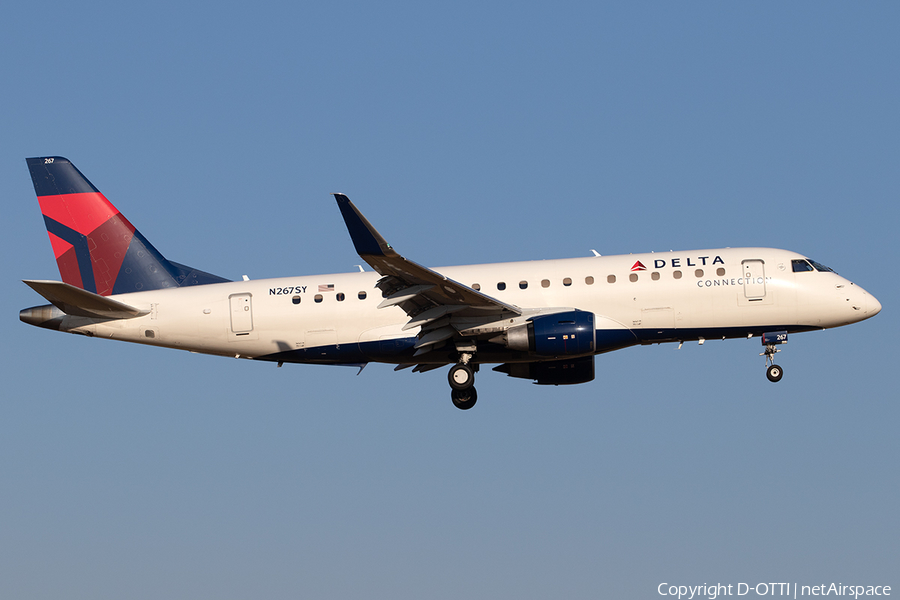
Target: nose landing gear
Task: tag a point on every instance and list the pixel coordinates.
(773, 372)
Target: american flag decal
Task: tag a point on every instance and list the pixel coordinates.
(329, 287)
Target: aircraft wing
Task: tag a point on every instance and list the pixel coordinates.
(425, 295)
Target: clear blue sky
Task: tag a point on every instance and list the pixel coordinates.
(467, 132)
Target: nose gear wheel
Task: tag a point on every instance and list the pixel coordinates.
(773, 372)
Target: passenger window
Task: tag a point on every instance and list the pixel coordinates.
(654, 276)
(545, 283)
(340, 296)
(501, 286)
(633, 277)
(676, 274)
(720, 272)
(699, 272)
(476, 287)
(361, 295)
(523, 285)
(318, 298)
(589, 280)
(610, 279)
(296, 299)
(567, 281)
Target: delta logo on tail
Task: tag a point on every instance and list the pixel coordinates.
(96, 248)
(75, 214)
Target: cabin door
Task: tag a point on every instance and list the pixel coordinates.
(754, 275)
(241, 314)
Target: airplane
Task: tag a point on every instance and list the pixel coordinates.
(538, 320)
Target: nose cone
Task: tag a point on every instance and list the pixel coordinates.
(873, 306)
(864, 304)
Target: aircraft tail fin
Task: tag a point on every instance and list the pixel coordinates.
(97, 249)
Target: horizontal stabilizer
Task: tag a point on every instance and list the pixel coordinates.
(80, 303)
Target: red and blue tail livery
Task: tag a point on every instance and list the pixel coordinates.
(97, 249)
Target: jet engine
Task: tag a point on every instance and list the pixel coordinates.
(559, 334)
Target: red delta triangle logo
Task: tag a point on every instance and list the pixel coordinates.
(638, 266)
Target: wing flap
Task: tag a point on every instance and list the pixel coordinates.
(432, 314)
(405, 294)
(434, 336)
(428, 367)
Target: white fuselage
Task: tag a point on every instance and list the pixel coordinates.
(678, 296)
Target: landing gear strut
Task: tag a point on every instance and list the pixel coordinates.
(773, 372)
(462, 381)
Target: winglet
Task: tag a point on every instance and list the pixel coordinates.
(405, 281)
(366, 239)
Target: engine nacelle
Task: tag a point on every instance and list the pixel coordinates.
(553, 372)
(559, 334)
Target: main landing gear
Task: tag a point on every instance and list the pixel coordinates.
(461, 376)
(462, 382)
(464, 399)
(773, 372)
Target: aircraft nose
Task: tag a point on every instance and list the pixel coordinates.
(873, 306)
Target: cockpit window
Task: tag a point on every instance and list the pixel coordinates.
(821, 268)
(799, 265)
